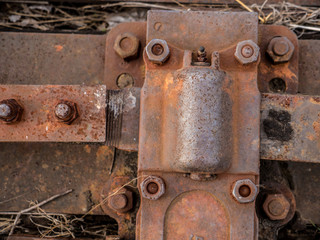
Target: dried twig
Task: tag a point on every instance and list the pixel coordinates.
(112, 194)
(135, 4)
(291, 15)
(248, 9)
(103, 17)
(35, 207)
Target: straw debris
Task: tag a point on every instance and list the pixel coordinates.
(100, 18)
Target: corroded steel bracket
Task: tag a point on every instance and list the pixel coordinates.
(199, 128)
(200, 117)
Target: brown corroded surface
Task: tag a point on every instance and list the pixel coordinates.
(116, 65)
(37, 171)
(39, 58)
(287, 71)
(197, 121)
(290, 127)
(38, 122)
(207, 211)
(186, 209)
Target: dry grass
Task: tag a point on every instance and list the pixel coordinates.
(102, 17)
(6, 224)
(297, 18)
(59, 225)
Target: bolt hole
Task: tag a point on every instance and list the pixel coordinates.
(125, 80)
(157, 49)
(152, 188)
(277, 85)
(244, 191)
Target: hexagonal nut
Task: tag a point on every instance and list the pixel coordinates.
(276, 207)
(280, 49)
(158, 51)
(244, 191)
(122, 201)
(247, 52)
(11, 111)
(71, 116)
(152, 187)
(126, 46)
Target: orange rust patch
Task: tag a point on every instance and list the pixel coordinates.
(87, 148)
(316, 127)
(58, 48)
(315, 100)
(103, 152)
(58, 153)
(311, 137)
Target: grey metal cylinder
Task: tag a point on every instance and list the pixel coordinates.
(198, 121)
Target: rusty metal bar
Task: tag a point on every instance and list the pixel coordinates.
(46, 113)
(56, 59)
(290, 127)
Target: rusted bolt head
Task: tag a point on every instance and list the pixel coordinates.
(280, 49)
(276, 207)
(126, 46)
(5, 110)
(247, 52)
(118, 201)
(158, 51)
(66, 111)
(63, 111)
(122, 201)
(152, 187)
(244, 191)
(10, 111)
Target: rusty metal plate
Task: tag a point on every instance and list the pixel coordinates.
(191, 209)
(198, 120)
(290, 127)
(39, 123)
(37, 171)
(193, 28)
(41, 58)
(115, 65)
(305, 177)
(269, 71)
(162, 90)
(309, 71)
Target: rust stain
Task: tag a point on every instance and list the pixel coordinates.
(39, 123)
(315, 100)
(198, 119)
(58, 153)
(58, 48)
(316, 127)
(87, 149)
(103, 152)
